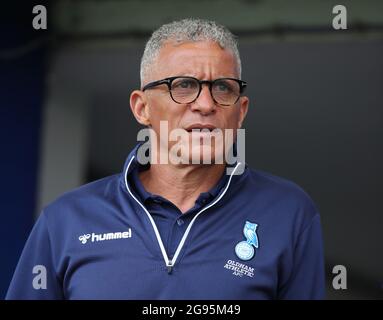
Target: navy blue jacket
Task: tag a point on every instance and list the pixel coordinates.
(259, 237)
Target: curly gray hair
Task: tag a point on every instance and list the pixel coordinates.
(184, 31)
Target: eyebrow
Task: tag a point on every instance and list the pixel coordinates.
(195, 76)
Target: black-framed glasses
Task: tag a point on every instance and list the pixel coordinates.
(184, 90)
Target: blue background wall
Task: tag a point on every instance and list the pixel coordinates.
(22, 60)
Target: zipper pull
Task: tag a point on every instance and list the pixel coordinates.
(170, 267)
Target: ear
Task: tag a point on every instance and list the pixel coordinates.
(243, 107)
(139, 107)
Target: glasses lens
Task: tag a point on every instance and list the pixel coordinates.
(184, 90)
(226, 91)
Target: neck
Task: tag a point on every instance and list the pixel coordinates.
(181, 184)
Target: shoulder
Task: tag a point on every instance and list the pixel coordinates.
(83, 199)
(280, 196)
(270, 183)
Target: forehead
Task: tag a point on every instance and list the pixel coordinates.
(201, 58)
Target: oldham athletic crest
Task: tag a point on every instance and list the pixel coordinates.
(245, 249)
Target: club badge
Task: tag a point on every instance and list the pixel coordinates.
(245, 249)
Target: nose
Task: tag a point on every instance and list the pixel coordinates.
(204, 103)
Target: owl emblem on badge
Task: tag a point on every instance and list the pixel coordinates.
(245, 249)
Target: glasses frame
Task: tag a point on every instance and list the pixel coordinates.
(168, 81)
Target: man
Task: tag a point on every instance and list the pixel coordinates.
(179, 229)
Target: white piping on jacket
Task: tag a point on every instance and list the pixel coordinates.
(170, 264)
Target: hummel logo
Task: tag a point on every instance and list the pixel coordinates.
(105, 236)
(84, 238)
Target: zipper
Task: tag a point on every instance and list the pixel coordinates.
(170, 263)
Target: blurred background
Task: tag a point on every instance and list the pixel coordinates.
(316, 113)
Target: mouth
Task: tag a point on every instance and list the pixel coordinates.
(200, 128)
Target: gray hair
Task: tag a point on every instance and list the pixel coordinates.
(184, 31)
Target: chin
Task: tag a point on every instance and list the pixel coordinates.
(205, 154)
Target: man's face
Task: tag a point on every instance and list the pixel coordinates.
(204, 61)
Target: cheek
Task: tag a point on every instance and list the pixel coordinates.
(168, 113)
(231, 119)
